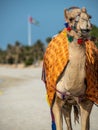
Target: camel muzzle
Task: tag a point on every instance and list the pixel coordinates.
(85, 32)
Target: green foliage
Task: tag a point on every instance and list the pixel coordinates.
(94, 34)
(94, 31)
(28, 62)
(48, 39)
(10, 60)
(19, 53)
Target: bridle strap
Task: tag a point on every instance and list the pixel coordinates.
(63, 95)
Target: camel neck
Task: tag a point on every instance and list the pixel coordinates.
(78, 46)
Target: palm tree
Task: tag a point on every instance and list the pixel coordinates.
(38, 50)
(9, 55)
(17, 53)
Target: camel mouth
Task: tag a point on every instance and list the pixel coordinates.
(85, 32)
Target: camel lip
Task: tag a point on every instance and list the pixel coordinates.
(85, 32)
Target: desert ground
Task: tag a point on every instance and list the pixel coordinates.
(23, 104)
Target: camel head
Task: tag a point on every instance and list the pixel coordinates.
(78, 20)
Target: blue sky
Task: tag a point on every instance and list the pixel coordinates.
(50, 14)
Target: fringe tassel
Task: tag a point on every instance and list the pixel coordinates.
(53, 125)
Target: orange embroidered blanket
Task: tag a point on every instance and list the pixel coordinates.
(56, 58)
(92, 71)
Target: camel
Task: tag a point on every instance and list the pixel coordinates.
(71, 85)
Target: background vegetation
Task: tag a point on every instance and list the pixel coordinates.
(28, 55)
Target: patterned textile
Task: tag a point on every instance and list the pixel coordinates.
(56, 58)
(92, 71)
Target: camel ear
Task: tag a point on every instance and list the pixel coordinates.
(66, 14)
(83, 10)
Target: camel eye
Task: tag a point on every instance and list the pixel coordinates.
(71, 19)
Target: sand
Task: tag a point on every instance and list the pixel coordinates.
(23, 104)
